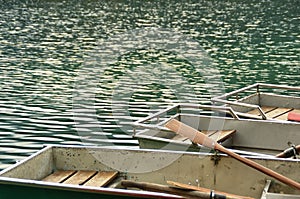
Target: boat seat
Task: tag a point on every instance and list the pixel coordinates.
(265, 109)
(217, 135)
(86, 178)
(220, 135)
(279, 113)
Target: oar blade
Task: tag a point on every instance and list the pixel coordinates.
(191, 133)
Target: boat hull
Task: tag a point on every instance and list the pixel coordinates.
(35, 191)
(217, 172)
(263, 101)
(263, 136)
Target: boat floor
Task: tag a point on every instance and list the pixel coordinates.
(272, 112)
(86, 178)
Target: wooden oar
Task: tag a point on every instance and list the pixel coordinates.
(187, 193)
(205, 190)
(200, 138)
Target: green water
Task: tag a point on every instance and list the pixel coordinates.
(56, 89)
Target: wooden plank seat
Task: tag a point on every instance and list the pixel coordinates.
(265, 109)
(217, 135)
(222, 135)
(278, 113)
(86, 178)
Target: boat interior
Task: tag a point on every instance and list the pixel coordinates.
(263, 101)
(109, 168)
(263, 136)
(278, 113)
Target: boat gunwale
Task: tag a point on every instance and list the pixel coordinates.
(19, 163)
(257, 86)
(154, 151)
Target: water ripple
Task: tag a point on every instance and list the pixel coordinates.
(44, 46)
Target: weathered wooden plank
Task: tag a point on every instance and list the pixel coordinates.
(59, 176)
(296, 110)
(205, 190)
(80, 177)
(265, 109)
(225, 134)
(285, 115)
(102, 178)
(208, 132)
(222, 135)
(277, 112)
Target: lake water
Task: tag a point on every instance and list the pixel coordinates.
(79, 72)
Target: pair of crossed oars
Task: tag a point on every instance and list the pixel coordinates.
(200, 138)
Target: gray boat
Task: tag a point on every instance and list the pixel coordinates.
(247, 136)
(264, 101)
(94, 172)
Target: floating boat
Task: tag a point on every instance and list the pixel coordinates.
(94, 172)
(264, 101)
(248, 136)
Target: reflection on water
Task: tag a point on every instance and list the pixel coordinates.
(44, 45)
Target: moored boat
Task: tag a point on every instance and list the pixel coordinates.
(249, 136)
(264, 101)
(93, 172)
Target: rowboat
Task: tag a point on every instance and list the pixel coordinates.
(248, 136)
(94, 172)
(264, 101)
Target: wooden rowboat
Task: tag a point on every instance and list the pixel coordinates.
(93, 172)
(246, 135)
(264, 101)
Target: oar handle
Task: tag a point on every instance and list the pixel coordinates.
(166, 189)
(259, 167)
(202, 189)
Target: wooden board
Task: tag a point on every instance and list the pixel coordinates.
(222, 135)
(296, 110)
(205, 190)
(265, 109)
(283, 116)
(208, 133)
(80, 177)
(59, 176)
(277, 112)
(102, 178)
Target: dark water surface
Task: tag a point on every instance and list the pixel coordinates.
(55, 87)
